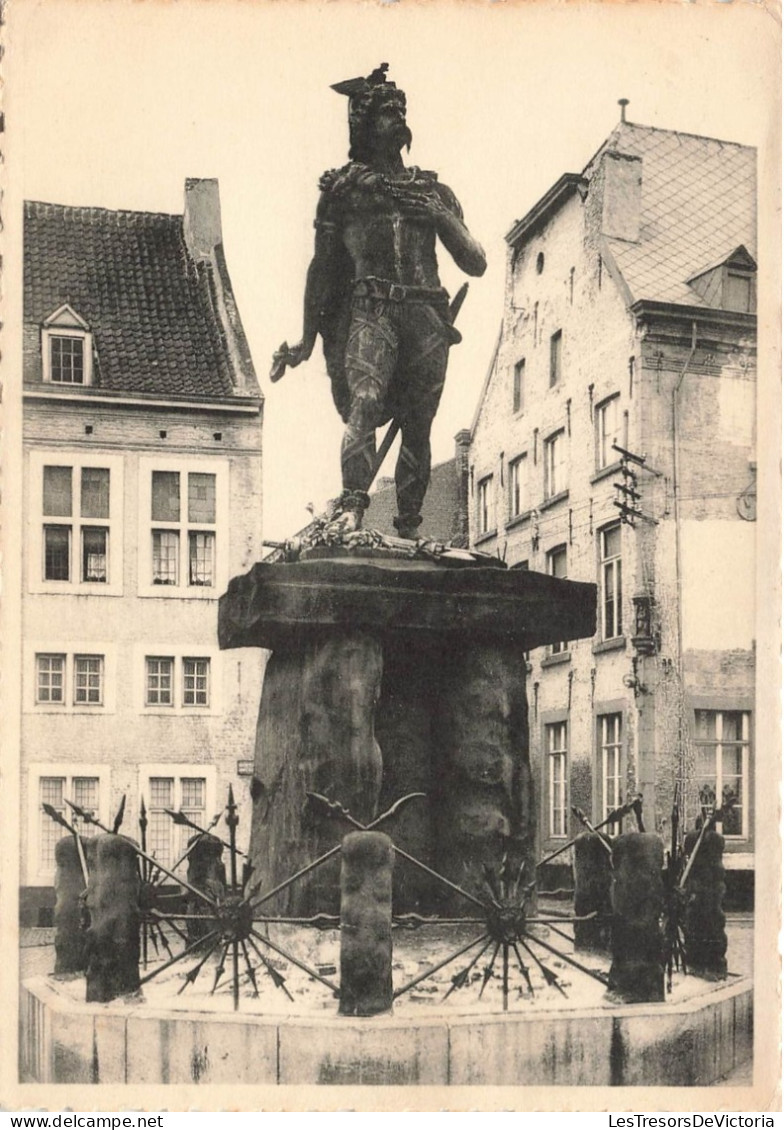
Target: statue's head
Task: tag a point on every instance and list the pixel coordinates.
(376, 110)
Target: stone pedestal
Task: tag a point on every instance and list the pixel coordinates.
(112, 940)
(637, 971)
(592, 892)
(70, 913)
(367, 863)
(392, 676)
(704, 923)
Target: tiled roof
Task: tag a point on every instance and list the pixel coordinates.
(150, 306)
(698, 205)
(440, 509)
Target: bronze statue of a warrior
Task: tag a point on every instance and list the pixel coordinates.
(374, 295)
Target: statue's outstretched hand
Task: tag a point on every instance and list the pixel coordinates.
(288, 356)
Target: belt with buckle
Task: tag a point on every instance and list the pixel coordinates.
(396, 292)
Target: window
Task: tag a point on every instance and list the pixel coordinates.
(607, 432)
(67, 359)
(739, 292)
(50, 678)
(518, 487)
(556, 749)
(170, 680)
(554, 465)
(66, 349)
(556, 567)
(52, 783)
(60, 682)
(610, 754)
(485, 507)
(179, 788)
(556, 353)
(518, 386)
(88, 680)
(721, 766)
(610, 582)
(76, 508)
(160, 682)
(196, 682)
(181, 507)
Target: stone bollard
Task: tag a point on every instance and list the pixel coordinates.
(367, 861)
(704, 934)
(69, 908)
(592, 892)
(637, 971)
(112, 940)
(206, 872)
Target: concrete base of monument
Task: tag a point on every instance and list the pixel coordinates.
(697, 1037)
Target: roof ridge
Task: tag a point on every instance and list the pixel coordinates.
(91, 211)
(685, 133)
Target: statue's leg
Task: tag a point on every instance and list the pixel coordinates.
(423, 361)
(371, 355)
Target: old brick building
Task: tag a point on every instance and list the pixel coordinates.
(142, 489)
(629, 323)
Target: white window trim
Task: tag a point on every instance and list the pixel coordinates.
(552, 442)
(746, 747)
(61, 324)
(36, 519)
(183, 466)
(178, 652)
(520, 462)
(617, 569)
(550, 756)
(607, 806)
(612, 456)
(37, 874)
(485, 486)
(32, 649)
(178, 770)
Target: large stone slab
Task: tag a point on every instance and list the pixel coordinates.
(273, 605)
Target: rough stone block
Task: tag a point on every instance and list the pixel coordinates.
(367, 862)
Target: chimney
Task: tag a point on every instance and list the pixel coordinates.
(622, 175)
(202, 217)
(462, 450)
(462, 444)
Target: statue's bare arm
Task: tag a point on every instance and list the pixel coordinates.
(317, 287)
(441, 208)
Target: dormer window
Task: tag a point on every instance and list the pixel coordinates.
(729, 285)
(66, 347)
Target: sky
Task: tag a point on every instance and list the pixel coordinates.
(113, 103)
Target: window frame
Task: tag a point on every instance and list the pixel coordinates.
(549, 726)
(553, 487)
(179, 655)
(35, 872)
(69, 652)
(179, 771)
(556, 358)
(747, 745)
(66, 323)
(76, 523)
(523, 490)
(615, 564)
(485, 514)
(184, 589)
(560, 647)
(604, 805)
(518, 387)
(609, 458)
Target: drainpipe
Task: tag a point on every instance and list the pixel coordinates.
(678, 550)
